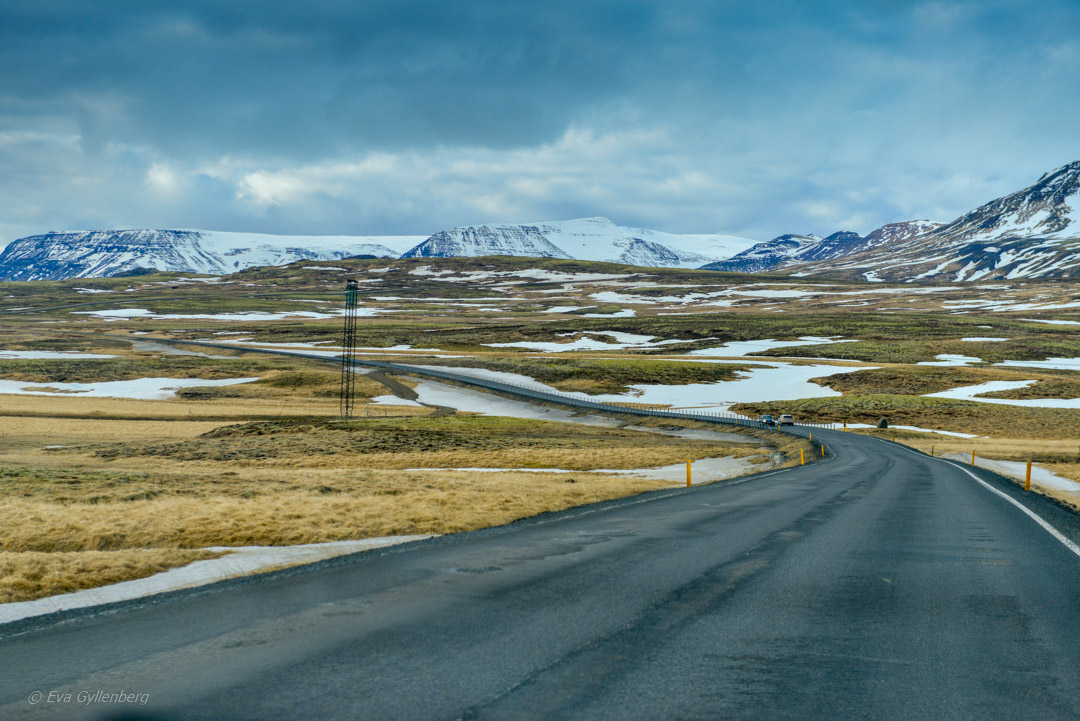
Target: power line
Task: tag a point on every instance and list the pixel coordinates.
(348, 349)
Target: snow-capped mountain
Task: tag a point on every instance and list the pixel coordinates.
(95, 254)
(1033, 233)
(788, 250)
(767, 255)
(583, 239)
(897, 232)
(837, 245)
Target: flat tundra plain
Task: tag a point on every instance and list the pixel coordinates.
(123, 454)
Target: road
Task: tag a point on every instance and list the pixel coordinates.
(878, 583)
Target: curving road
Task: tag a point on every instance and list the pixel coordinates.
(878, 583)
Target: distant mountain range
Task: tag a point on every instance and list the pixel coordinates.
(95, 254)
(1032, 233)
(101, 253)
(584, 239)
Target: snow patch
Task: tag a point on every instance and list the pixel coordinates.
(238, 561)
(48, 355)
(139, 388)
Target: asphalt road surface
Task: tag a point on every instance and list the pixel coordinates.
(878, 583)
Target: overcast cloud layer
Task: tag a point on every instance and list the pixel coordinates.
(368, 117)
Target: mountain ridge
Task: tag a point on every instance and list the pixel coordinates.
(594, 238)
(87, 254)
(1032, 233)
(101, 253)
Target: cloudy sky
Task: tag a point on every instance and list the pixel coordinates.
(753, 118)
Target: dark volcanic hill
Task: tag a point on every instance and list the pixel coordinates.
(789, 250)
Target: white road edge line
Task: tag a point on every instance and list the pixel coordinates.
(1065, 541)
(1034, 516)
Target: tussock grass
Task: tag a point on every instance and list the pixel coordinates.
(337, 508)
(32, 574)
(128, 368)
(420, 441)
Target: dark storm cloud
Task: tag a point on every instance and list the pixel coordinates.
(292, 78)
(405, 117)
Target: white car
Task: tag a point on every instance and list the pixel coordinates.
(787, 419)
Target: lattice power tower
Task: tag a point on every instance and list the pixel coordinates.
(348, 349)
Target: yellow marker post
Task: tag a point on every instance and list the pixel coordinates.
(973, 458)
(687, 472)
(894, 437)
(811, 436)
(802, 458)
(1027, 478)
(822, 450)
(845, 425)
(931, 451)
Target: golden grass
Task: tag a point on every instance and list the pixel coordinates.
(55, 430)
(74, 520)
(75, 407)
(230, 409)
(341, 507)
(28, 575)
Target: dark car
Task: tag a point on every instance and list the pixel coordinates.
(767, 420)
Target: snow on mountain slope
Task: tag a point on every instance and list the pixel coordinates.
(1033, 233)
(764, 256)
(898, 232)
(584, 239)
(789, 250)
(94, 254)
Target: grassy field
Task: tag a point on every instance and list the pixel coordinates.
(920, 380)
(94, 490)
(600, 375)
(90, 499)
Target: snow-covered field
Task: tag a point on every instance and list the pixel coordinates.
(587, 343)
(139, 388)
(947, 359)
(746, 347)
(973, 393)
(130, 313)
(1062, 364)
(768, 382)
(48, 355)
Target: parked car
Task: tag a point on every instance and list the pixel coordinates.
(768, 420)
(787, 419)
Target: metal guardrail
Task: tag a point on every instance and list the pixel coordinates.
(573, 401)
(556, 397)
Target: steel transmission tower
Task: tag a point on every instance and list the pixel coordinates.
(348, 349)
